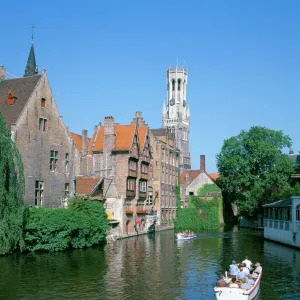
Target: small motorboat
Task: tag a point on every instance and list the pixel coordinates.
(185, 236)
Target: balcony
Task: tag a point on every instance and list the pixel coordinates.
(130, 193)
(128, 211)
(141, 211)
(132, 173)
(144, 176)
(142, 195)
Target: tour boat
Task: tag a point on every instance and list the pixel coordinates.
(185, 236)
(282, 221)
(227, 293)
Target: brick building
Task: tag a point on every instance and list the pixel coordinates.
(40, 134)
(165, 173)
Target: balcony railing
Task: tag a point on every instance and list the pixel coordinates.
(130, 193)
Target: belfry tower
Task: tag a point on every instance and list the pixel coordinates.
(176, 113)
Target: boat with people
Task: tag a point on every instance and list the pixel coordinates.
(244, 285)
(186, 235)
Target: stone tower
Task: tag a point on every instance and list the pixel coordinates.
(176, 113)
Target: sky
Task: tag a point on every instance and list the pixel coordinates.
(109, 58)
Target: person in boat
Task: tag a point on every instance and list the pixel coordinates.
(257, 270)
(233, 269)
(247, 262)
(241, 274)
(233, 284)
(245, 268)
(249, 279)
(221, 281)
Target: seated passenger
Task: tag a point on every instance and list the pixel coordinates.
(247, 262)
(233, 269)
(241, 274)
(233, 284)
(221, 282)
(249, 280)
(245, 268)
(258, 268)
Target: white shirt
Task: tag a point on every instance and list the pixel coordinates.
(246, 270)
(248, 263)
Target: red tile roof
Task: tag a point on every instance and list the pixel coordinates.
(78, 140)
(142, 133)
(124, 137)
(85, 185)
(214, 176)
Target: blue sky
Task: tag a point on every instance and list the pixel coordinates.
(110, 58)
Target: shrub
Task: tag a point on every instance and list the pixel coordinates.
(83, 224)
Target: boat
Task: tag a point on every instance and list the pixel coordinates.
(227, 293)
(185, 236)
(282, 221)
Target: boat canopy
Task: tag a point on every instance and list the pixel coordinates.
(280, 203)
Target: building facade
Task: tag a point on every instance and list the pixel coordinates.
(176, 113)
(165, 174)
(41, 136)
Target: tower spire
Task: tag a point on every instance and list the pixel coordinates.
(31, 66)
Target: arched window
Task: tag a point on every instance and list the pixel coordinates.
(173, 85)
(298, 213)
(179, 84)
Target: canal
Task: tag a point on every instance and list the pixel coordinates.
(151, 266)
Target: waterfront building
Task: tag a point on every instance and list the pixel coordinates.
(165, 174)
(120, 155)
(176, 113)
(282, 221)
(192, 180)
(38, 130)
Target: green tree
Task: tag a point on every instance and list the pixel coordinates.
(11, 193)
(253, 168)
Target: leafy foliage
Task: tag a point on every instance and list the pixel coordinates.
(11, 193)
(83, 224)
(200, 214)
(253, 168)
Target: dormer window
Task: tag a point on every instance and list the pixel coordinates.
(43, 102)
(11, 99)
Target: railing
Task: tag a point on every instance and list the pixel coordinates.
(287, 226)
(266, 223)
(275, 224)
(270, 223)
(281, 224)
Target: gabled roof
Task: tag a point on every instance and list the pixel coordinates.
(142, 133)
(124, 137)
(21, 88)
(280, 203)
(192, 174)
(78, 140)
(87, 185)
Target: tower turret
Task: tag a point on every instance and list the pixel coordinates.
(31, 66)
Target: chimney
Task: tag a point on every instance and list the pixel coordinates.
(202, 163)
(84, 138)
(2, 73)
(109, 125)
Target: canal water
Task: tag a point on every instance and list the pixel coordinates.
(153, 266)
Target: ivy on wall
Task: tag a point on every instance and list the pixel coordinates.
(201, 214)
(11, 193)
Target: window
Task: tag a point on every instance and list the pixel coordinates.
(39, 193)
(149, 200)
(53, 160)
(179, 84)
(67, 190)
(143, 186)
(67, 162)
(173, 85)
(132, 165)
(191, 193)
(42, 124)
(43, 102)
(298, 213)
(144, 169)
(131, 184)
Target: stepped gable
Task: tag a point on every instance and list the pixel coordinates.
(21, 88)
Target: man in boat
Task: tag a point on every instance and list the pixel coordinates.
(233, 284)
(249, 280)
(257, 270)
(247, 262)
(241, 274)
(245, 268)
(233, 269)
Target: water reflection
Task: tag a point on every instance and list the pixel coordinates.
(151, 266)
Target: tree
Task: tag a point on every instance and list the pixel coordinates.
(253, 168)
(11, 193)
